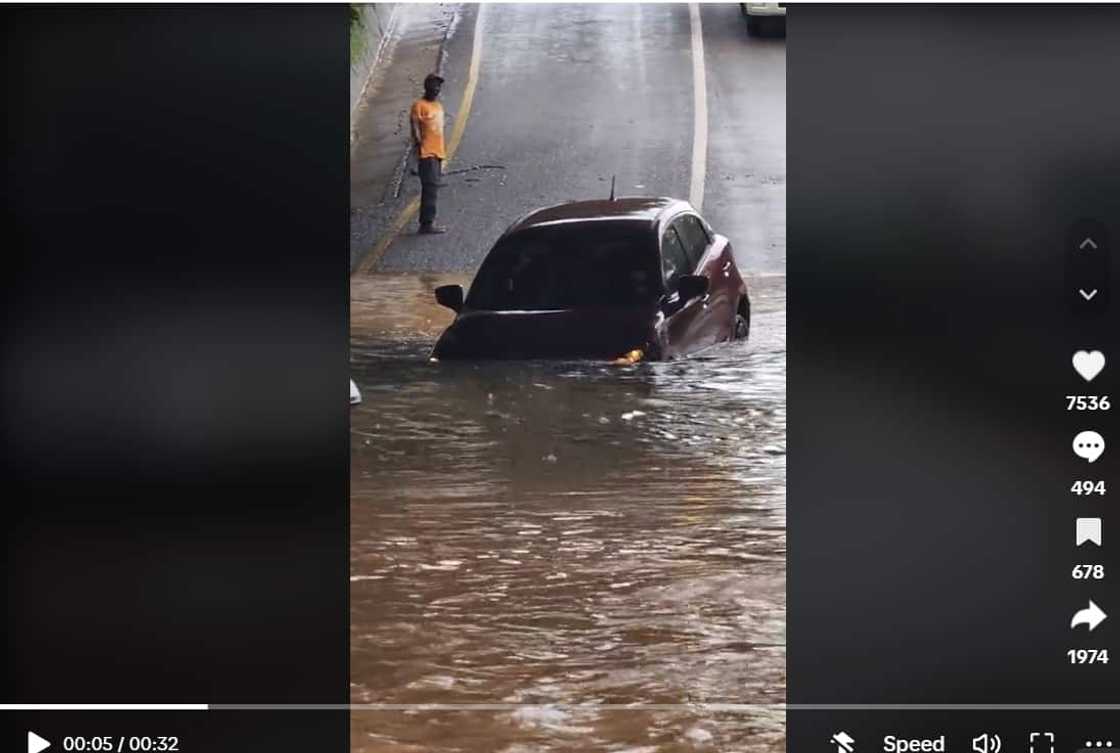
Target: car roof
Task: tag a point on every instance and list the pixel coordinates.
(640, 209)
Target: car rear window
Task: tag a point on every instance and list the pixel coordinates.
(605, 263)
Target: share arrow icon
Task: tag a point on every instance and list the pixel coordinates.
(1093, 617)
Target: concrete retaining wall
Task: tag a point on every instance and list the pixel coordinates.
(376, 21)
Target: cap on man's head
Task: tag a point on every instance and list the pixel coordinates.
(432, 78)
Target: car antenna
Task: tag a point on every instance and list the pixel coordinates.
(612, 188)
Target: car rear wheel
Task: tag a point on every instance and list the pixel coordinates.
(742, 321)
(742, 327)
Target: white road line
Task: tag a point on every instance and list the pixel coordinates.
(700, 111)
(468, 90)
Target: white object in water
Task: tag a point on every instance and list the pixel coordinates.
(355, 396)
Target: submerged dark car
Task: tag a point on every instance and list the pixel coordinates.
(627, 279)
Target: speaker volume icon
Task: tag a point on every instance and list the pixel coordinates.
(986, 743)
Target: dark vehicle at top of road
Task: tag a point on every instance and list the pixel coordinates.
(765, 19)
(628, 278)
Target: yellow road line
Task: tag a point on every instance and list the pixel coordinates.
(413, 206)
(472, 83)
(394, 230)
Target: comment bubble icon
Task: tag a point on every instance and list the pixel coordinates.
(1088, 445)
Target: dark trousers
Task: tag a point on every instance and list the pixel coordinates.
(429, 169)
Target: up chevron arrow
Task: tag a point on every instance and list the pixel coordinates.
(1087, 242)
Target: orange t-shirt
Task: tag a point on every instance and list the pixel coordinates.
(427, 117)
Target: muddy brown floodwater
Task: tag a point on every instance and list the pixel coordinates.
(580, 555)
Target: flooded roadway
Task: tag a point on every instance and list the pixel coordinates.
(569, 544)
(565, 536)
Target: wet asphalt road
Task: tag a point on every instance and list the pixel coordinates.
(745, 187)
(569, 95)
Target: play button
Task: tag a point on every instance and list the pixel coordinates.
(36, 743)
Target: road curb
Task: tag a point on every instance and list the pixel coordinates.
(386, 34)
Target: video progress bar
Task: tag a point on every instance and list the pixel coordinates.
(104, 707)
(500, 707)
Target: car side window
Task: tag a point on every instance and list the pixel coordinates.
(674, 260)
(693, 237)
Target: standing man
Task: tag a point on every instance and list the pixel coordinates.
(427, 135)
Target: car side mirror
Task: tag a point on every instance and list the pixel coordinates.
(691, 286)
(450, 296)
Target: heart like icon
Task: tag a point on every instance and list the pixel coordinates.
(1088, 363)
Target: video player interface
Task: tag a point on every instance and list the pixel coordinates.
(722, 377)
